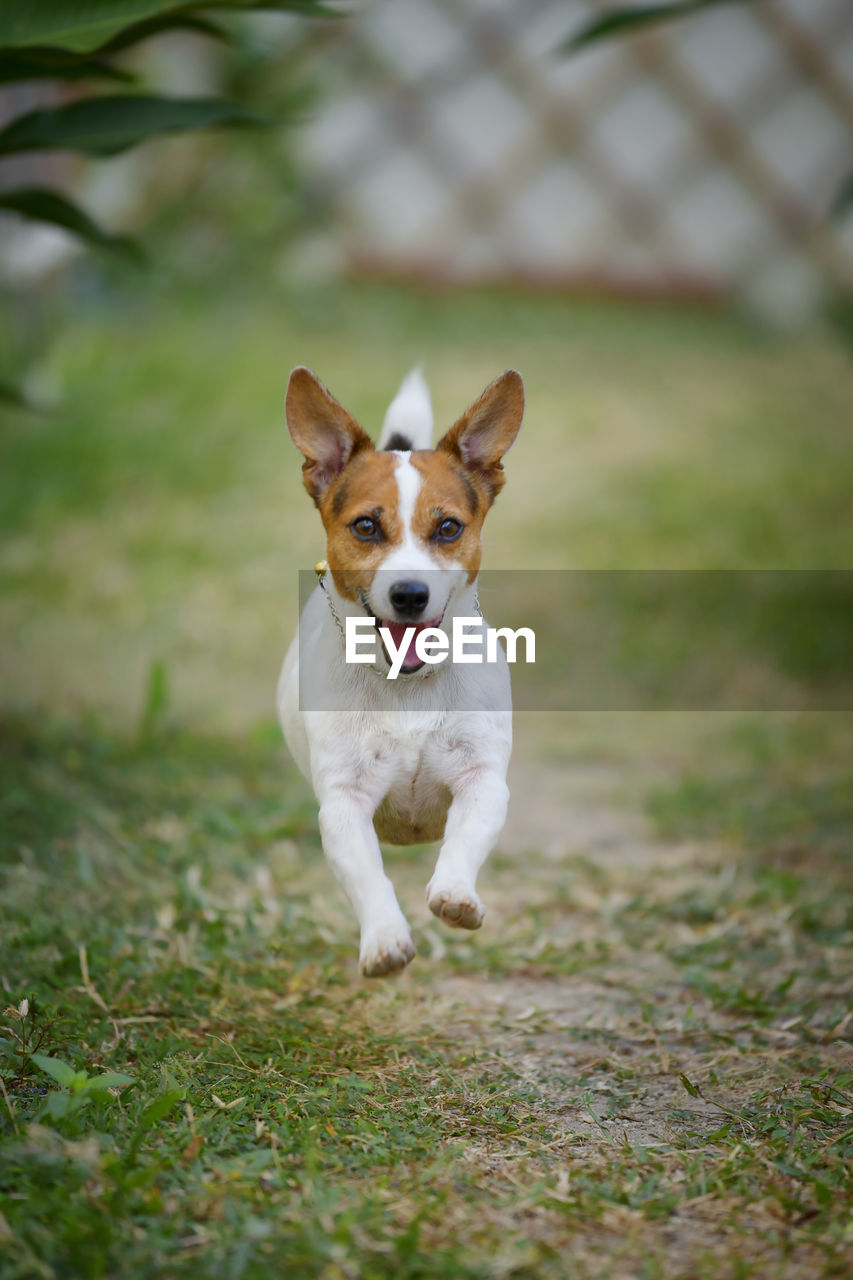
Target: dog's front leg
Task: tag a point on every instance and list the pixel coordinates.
(474, 821)
(351, 845)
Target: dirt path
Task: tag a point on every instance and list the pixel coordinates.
(602, 983)
(571, 859)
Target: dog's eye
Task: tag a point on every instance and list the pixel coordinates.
(449, 529)
(365, 527)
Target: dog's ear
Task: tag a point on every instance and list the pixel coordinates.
(487, 429)
(322, 431)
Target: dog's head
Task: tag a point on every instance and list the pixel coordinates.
(403, 527)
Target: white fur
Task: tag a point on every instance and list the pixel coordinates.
(410, 413)
(402, 751)
(419, 758)
(411, 557)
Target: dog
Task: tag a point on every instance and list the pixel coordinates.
(424, 756)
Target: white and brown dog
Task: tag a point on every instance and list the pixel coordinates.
(423, 757)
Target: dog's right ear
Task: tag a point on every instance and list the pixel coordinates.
(322, 430)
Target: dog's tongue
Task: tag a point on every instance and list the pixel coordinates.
(398, 631)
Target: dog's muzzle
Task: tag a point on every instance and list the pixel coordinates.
(408, 598)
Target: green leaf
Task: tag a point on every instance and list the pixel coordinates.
(309, 8)
(105, 125)
(11, 394)
(154, 26)
(624, 21)
(159, 1109)
(154, 1112)
(48, 206)
(58, 1105)
(83, 25)
(156, 702)
(47, 63)
(76, 24)
(823, 1194)
(689, 1086)
(843, 202)
(109, 1080)
(62, 1073)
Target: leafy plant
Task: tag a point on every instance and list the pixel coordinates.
(22, 1034)
(98, 107)
(77, 44)
(78, 1088)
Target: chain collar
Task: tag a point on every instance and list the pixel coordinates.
(321, 568)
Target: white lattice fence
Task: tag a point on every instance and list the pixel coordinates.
(455, 139)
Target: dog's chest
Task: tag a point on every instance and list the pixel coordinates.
(415, 805)
(417, 766)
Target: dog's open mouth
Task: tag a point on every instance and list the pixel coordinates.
(397, 631)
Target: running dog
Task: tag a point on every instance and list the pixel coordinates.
(423, 756)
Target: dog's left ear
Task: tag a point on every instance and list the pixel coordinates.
(322, 430)
(487, 429)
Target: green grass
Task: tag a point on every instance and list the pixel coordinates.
(640, 1066)
(280, 1109)
(165, 492)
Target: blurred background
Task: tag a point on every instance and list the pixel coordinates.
(647, 209)
(704, 157)
(649, 212)
(696, 158)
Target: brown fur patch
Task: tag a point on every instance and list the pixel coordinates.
(367, 487)
(447, 490)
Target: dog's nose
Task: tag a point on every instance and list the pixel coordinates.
(409, 598)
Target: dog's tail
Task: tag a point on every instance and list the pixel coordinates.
(408, 422)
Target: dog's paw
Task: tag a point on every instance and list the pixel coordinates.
(458, 905)
(386, 950)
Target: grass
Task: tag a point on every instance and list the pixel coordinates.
(165, 493)
(282, 1109)
(640, 1067)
